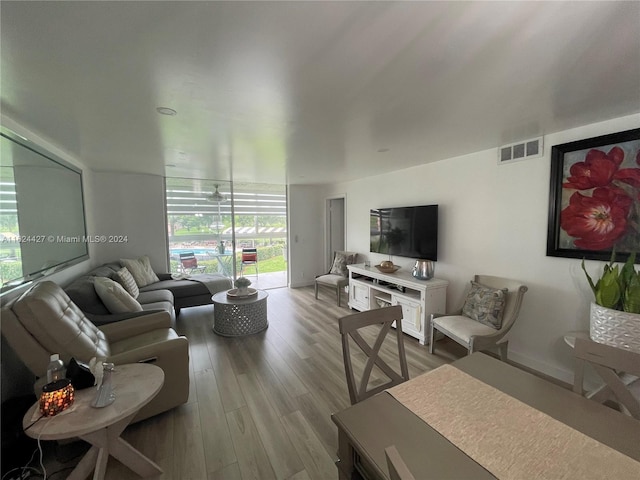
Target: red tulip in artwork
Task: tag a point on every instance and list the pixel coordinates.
(604, 209)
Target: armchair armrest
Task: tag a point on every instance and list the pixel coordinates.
(437, 315)
(481, 342)
(136, 326)
(153, 353)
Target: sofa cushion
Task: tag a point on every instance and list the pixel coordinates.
(82, 292)
(179, 288)
(153, 296)
(124, 278)
(48, 313)
(141, 270)
(485, 305)
(115, 297)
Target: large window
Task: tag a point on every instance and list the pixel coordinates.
(214, 220)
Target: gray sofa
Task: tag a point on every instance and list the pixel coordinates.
(166, 295)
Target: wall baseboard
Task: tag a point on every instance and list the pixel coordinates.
(561, 374)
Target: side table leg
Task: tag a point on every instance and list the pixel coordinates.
(85, 466)
(110, 443)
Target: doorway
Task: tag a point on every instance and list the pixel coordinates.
(336, 227)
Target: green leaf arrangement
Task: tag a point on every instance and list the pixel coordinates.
(617, 288)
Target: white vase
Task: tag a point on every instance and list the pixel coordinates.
(615, 328)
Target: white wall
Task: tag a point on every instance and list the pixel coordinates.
(306, 234)
(493, 220)
(131, 206)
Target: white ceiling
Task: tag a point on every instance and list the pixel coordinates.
(309, 92)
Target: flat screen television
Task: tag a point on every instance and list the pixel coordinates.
(405, 231)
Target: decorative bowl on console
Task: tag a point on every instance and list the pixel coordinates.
(385, 268)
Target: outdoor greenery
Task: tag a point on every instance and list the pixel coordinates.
(270, 259)
(189, 224)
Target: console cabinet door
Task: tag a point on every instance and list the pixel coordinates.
(359, 296)
(411, 316)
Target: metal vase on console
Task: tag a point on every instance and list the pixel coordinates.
(423, 270)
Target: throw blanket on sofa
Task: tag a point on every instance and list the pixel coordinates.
(214, 282)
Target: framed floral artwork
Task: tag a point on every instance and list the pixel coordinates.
(594, 202)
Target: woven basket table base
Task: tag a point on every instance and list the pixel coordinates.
(238, 317)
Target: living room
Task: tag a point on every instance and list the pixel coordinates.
(493, 217)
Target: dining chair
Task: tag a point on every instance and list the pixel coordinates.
(398, 470)
(490, 309)
(338, 275)
(249, 257)
(189, 263)
(351, 328)
(613, 365)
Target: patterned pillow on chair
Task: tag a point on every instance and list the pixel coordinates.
(485, 305)
(340, 262)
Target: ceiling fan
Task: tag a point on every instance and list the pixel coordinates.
(216, 197)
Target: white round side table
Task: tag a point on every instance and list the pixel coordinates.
(134, 385)
(234, 317)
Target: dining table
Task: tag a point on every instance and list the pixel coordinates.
(481, 418)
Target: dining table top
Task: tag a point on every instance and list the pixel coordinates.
(381, 421)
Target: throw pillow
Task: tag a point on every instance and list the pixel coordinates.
(485, 304)
(140, 269)
(340, 262)
(115, 297)
(124, 278)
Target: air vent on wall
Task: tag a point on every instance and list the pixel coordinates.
(520, 151)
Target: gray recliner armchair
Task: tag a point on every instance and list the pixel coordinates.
(44, 321)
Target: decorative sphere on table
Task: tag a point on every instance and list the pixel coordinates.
(242, 284)
(386, 264)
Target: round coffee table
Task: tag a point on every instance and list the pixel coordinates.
(134, 385)
(234, 317)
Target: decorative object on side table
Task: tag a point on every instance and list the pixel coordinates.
(242, 288)
(56, 397)
(615, 314)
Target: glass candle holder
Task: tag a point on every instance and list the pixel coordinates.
(56, 397)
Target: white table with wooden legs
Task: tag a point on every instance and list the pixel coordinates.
(134, 385)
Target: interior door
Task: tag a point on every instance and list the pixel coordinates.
(335, 228)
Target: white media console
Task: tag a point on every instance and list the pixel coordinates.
(369, 288)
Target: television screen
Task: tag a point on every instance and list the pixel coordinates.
(406, 231)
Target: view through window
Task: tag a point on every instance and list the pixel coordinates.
(210, 222)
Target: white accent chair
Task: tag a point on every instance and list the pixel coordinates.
(476, 336)
(338, 276)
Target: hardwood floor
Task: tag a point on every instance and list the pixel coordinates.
(260, 406)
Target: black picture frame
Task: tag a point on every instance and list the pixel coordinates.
(594, 199)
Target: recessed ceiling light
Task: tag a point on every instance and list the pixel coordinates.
(383, 150)
(166, 111)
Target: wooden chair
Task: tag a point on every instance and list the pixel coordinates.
(349, 328)
(249, 257)
(612, 364)
(398, 470)
(476, 336)
(338, 276)
(189, 263)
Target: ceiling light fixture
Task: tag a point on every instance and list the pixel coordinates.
(216, 197)
(166, 111)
